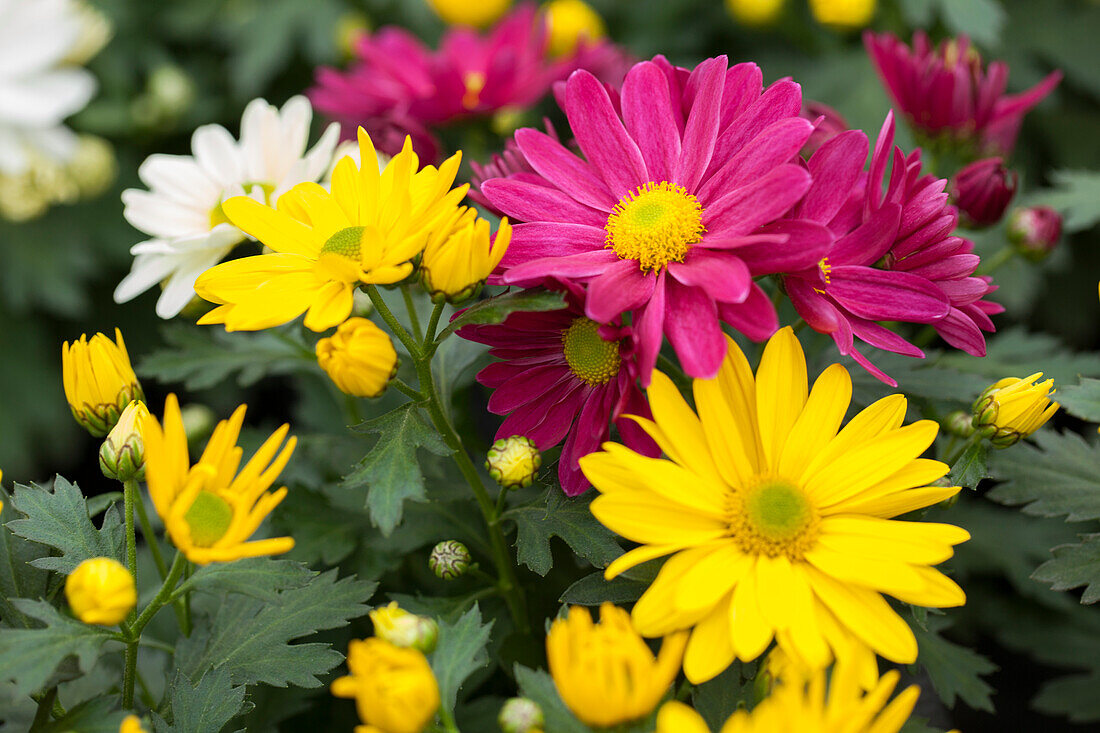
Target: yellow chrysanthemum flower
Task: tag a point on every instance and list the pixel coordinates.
(843, 13)
(458, 257)
(464, 12)
(604, 671)
(131, 724)
(359, 358)
(209, 509)
(99, 381)
(568, 22)
(393, 688)
(366, 231)
(778, 525)
(1014, 408)
(101, 591)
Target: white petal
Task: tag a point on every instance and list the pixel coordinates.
(216, 151)
(181, 179)
(160, 216)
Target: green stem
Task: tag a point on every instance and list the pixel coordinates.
(1001, 258)
(433, 324)
(45, 705)
(395, 325)
(162, 596)
(180, 606)
(972, 440)
(502, 502)
(414, 319)
(129, 490)
(406, 390)
(448, 720)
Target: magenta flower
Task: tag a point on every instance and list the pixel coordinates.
(398, 82)
(982, 191)
(673, 208)
(509, 162)
(562, 375)
(946, 91)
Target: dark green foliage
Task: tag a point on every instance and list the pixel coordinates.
(555, 515)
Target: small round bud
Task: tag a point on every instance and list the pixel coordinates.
(101, 591)
(959, 423)
(982, 191)
(520, 715)
(1035, 231)
(359, 358)
(404, 629)
(93, 167)
(122, 455)
(449, 560)
(514, 462)
(570, 23)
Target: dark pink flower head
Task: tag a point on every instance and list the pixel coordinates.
(945, 90)
(397, 80)
(671, 209)
(509, 162)
(895, 258)
(982, 191)
(561, 375)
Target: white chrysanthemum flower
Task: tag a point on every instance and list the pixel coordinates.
(182, 211)
(41, 43)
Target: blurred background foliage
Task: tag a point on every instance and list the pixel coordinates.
(173, 66)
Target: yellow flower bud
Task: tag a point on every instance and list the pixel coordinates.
(99, 381)
(359, 358)
(101, 591)
(393, 688)
(404, 629)
(755, 12)
(514, 462)
(843, 13)
(569, 22)
(459, 256)
(589, 662)
(1013, 408)
(131, 724)
(478, 14)
(122, 455)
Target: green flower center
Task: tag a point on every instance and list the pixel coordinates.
(773, 517)
(209, 518)
(340, 255)
(655, 224)
(590, 357)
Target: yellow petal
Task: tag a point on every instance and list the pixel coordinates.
(655, 613)
(331, 306)
(727, 410)
(938, 591)
(749, 630)
(895, 715)
(881, 416)
(687, 441)
(867, 615)
(652, 520)
(819, 421)
(710, 650)
(274, 228)
(712, 577)
(780, 391)
(900, 502)
(673, 483)
(676, 717)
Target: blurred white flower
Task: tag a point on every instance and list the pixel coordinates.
(182, 210)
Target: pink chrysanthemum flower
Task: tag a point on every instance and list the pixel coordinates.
(508, 162)
(398, 82)
(562, 375)
(895, 256)
(945, 90)
(673, 208)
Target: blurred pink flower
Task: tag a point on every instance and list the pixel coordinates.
(1035, 230)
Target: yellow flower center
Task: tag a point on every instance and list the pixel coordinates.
(655, 225)
(209, 518)
(590, 357)
(826, 269)
(773, 517)
(339, 258)
(474, 82)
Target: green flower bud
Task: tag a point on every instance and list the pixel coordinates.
(520, 715)
(122, 455)
(514, 462)
(449, 560)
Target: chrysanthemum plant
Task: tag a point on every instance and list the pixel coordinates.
(658, 314)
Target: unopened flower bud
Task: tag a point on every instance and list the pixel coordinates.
(520, 715)
(959, 423)
(449, 560)
(131, 724)
(514, 462)
(463, 12)
(983, 191)
(350, 28)
(93, 167)
(101, 591)
(99, 381)
(569, 22)
(1013, 408)
(461, 254)
(1035, 230)
(404, 629)
(359, 358)
(122, 455)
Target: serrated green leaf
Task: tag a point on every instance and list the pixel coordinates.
(59, 519)
(205, 357)
(556, 515)
(1017, 353)
(29, 656)
(260, 577)
(97, 715)
(926, 378)
(495, 310)
(1081, 400)
(1076, 194)
(717, 699)
(539, 686)
(18, 578)
(592, 590)
(460, 652)
(1057, 477)
(390, 471)
(251, 639)
(1073, 696)
(1074, 566)
(970, 468)
(208, 705)
(956, 671)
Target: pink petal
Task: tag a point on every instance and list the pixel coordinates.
(813, 306)
(883, 338)
(721, 275)
(775, 145)
(782, 99)
(649, 117)
(545, 239)
(756, 317)
(649, 327)
(756, 203)
(601, 135)
(701, 130)
(554, 162)
(582, 266)
(870, 241)
(621, 286)
(961, 332)
(533, 384)
(882, 295)
(691, 323)
(528, 202)
(835, 168)
(802, 245)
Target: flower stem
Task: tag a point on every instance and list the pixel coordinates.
(996, 261)
(433, 324)
(129, 490)
(410, 306)
(42, 714)
(179, 606)
(448, 720)
(398, 330)
(406, 390)
(133, 630)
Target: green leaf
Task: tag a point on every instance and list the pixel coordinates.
(982, 20)
(260, 577)
(1017, 353)
(1073, 696)
(556, 515)
(97, 715)
(29, 656)
(59, 519)
(1058, 477)
(956, 671)
(18, 578)
(205, 357)
(717, 699)
(971, 467)
(207, 705)
(495, 310)
(1081, 400)
(539, 686)
(1076, 194)
(390, 471)
(460, 652)
(918, 724)
(592, 590)
(1074, 566)
(251, 638)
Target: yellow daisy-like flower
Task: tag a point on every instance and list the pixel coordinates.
(393, 688)
(604, 672)
(458, 257)
(99, 381)
(778, 526)
(101, 591)
(1013, 408)
(366, 231)
(209, 509)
